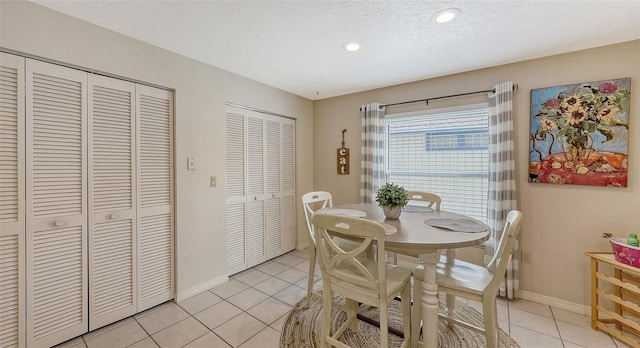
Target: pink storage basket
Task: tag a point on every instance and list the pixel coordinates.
(627, 254)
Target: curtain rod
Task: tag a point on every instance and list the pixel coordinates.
(426, 100)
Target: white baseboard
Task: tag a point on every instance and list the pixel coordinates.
(302, 245)
(554, 302)
(185, 294)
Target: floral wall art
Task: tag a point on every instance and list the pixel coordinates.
(579, 134)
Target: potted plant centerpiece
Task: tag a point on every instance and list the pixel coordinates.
(392, 198)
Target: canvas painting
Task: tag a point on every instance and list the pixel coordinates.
(579, 134)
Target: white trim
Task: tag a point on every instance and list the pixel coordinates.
(81, 68)
(303, 245)
(438, 111)
(240, 106)
(555, 302)
(185, 294)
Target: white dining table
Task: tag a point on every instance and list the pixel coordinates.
(414, 236)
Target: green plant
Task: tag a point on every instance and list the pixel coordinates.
(391, 195)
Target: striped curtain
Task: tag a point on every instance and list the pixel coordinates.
(372, 163)
(502, 179)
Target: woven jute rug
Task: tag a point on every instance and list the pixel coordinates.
(303, 327)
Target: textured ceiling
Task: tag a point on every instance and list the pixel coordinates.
(296, 45)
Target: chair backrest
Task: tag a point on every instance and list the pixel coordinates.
(500, 260)
(311, 202)
(346, 270)
(432, 199)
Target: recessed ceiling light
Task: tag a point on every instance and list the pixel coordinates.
(447, 15)
(352, 46)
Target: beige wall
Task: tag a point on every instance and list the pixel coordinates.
(560, 222)
(200, 95)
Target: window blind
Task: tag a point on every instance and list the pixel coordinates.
(445, 153)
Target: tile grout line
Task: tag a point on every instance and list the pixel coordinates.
(555, 322)
(210, 330)
(145, 331)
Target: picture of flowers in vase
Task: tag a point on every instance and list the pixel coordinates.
(580, 133)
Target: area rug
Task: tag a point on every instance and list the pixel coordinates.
(303, 326)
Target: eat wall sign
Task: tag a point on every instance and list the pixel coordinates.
(343, 157)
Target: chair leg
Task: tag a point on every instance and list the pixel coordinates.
(384, 324)
(451, 300)
(416, 312)
(406, 314)
(451, 308)
(327, 308)
(490, 313)
(312, 266)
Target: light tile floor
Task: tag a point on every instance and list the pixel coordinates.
(249, 310)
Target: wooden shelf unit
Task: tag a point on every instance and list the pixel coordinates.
(621, 316)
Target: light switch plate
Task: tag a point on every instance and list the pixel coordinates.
(191, 163)
(213, 181)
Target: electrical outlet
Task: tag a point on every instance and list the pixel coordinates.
(526, 257)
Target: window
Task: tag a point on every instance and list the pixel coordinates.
(444, 152)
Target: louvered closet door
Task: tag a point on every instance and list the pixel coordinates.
(112, 204)
(235, 194)
(288, 188)
(56, 203)
(255, 189)
(155, 195)
(12, 225)
(273, 237)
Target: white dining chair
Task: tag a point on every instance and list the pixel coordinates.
(432, 200)
(358, 279)
(311, 202)
(473, 282)
(419, 199)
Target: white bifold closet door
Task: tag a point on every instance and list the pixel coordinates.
(273, 152)
(112, 201)
(260, 192)
(288, 185)
(94, 180)
(155, 238)
(235, 190)
(12, 213)
(255, 218)
(56, 201)
(280, 185)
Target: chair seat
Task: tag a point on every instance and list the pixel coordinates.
(397, 277)
(459, 275)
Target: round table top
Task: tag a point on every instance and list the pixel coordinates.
(413, 233)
